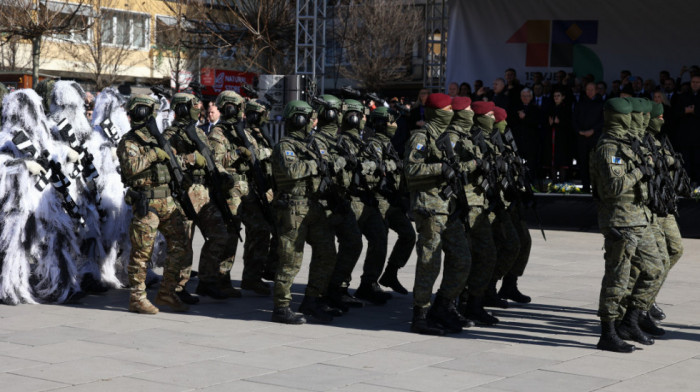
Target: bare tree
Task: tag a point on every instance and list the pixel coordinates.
(105, 61)
(258, 33)
(11, 58)
(377, 38)
(36, 19)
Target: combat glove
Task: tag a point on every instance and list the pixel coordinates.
(244, 153)
(447, 171)
(160, 155)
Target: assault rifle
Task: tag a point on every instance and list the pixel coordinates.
(458, 182)
(214, 178)
(665, 202)
(178, 182)
(681, 181)
(327, 188)
(259, 179)
(57, 178)
(524, 179)
(249, 91)
(491, 185)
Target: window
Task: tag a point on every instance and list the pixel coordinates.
(122, 28)
(78, 16)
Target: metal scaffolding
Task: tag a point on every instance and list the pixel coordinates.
(436, 26)
(310, 51)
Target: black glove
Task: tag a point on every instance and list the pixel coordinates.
(647, 172)
(447, 171)
(351, 161)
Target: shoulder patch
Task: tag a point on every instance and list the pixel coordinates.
(322, 151)
(378, 149)
(289, 153)
(420, 146)
(616, 160)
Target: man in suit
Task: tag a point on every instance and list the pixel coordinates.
(213, 116)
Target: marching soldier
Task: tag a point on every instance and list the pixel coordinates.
(143, 170)
(299, 169)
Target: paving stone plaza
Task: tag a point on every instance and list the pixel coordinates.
(548, 345)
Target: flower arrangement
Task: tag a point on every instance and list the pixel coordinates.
(563, 187)
(696, 193)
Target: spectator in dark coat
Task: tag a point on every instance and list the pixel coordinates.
(559, 138)
(498, 94)
(588, 124)
(527, 131)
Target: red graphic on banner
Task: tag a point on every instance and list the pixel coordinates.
(536, 34)
(215, 81)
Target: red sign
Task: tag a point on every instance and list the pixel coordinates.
(215, 81)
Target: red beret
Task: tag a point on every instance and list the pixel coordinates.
(483, 107)
(438, 100)
(500, 114)
(461, 103)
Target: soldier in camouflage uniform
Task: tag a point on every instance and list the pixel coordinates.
(502, 227)
(390, 191)
(154, 209)
(480, 236)
(298, 168)
(668, 223)
(256, 212)
(511, 273)
(361, 178)
(617, 175)
(439, 229)
(233, 158)
(337, 209)
(219, 242)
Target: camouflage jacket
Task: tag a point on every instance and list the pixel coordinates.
(294, 167)
(423, 171)
(140, 168)
(225, 143)
(616, 179)
(262, 149)
(361, 181)
(186, 147)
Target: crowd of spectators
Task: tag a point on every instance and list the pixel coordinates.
(556, 123)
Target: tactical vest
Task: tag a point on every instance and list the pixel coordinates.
(229, 131)
(432, 155)
(156, 175)
(285, 185)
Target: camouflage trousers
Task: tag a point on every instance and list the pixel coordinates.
(505, 234)
(303, 221)
(483, 252)
(256, 248)
(668, 241)
(371, 224)
(621, 245)
(220, 243)
(163, 215)
(516, 214)
(347, 231)
(437, 234)
(395, 219)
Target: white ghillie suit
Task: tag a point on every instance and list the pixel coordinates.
(110, 123)
(67, 108)
(38, 244)
(164, 116)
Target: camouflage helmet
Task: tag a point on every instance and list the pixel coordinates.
(351, 105)
(298, 114)
(330, 112)
(381, 114)
(255, 112)
(186, 106)
(353, 114)
(140, 107)
(45, 89)
(230, 111)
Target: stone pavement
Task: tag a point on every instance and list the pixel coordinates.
(548, 345)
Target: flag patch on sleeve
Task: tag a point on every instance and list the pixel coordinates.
(419, 146)
(289, 153)
(616, 160)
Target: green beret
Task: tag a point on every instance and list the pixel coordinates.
(657, 109)
(618, 105)
(648, 105)
(639, 105)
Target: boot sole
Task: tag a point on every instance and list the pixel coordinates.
(174, 308)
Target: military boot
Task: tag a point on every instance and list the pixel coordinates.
(509, 290)
(257, 286)
(210, 289)
(460, 311)
(228, 289)
(313, 307)
(172, 300)
(186, 297)
(141, 305)
(339, 297)
(648, 325)
(422, 325)
(286, 315)
(491, 298)
(609, 341)
(443, 313)
(325, 304)
(656, 312)
(390, 279)
(475, 311)
(629, 328)
(371, 292)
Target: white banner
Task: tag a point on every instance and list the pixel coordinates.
(600, 37)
